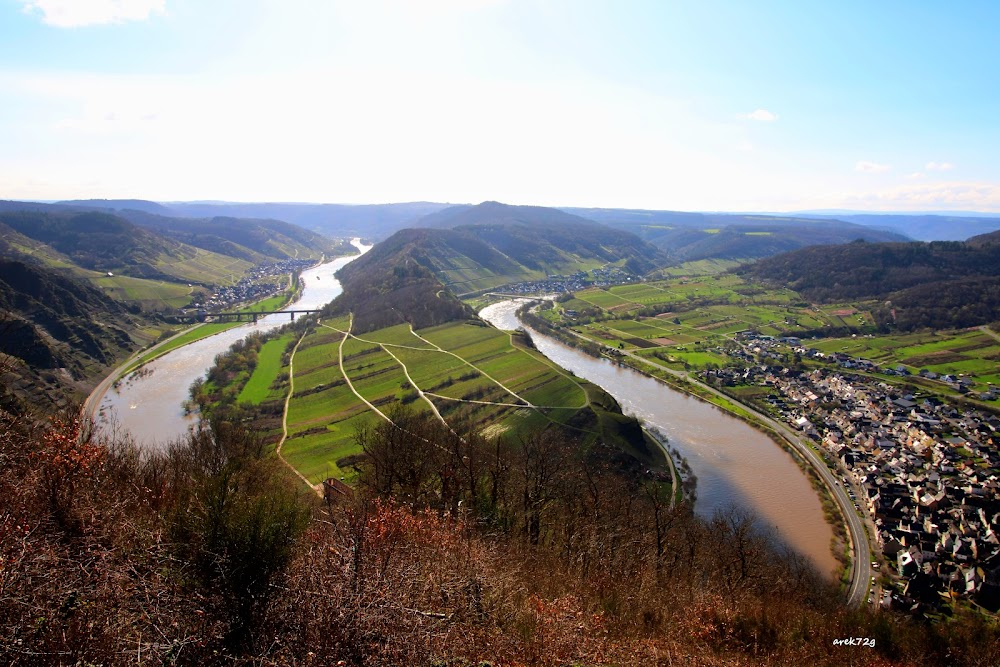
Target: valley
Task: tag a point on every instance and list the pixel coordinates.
(400, 387)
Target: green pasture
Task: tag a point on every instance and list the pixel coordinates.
(258, 388)
(151, 294)
(972, 353)
(602, 298)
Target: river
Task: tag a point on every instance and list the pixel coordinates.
(735, 464)
(149, 404)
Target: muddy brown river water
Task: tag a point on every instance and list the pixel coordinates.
(735, 464)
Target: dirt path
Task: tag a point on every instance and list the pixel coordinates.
(318, 488)
(990, 332)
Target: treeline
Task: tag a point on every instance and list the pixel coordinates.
(453, 551)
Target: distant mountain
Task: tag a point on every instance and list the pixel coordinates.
(927, 227)
(372, 221)
(694, 236)
(254, 240)
(119, 205)
(938, 284)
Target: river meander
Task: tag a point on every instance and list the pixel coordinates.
(735, 464)
(150, 404)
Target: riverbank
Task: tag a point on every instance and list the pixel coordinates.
(758, 475)
(149, 405)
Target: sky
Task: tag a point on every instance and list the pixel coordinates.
(707, 105)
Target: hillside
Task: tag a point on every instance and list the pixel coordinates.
(252, 239)
(938, 284)
(55, 331)
(923, 227)
(392, 284)
(479, 247)
(696, 236)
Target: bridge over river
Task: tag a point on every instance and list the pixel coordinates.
(239, 316)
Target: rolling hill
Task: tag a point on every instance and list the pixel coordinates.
(481, 247)
(941, 284)
(253, 239)
(696, 236)
(374, 221)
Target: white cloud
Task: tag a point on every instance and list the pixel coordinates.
(966, 196)
(79, 13)
(762, 115)
(939, 166)
(871, 167)
(914, 176)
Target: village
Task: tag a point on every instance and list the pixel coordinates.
(602, 277)
(926, 474)
(259, 283)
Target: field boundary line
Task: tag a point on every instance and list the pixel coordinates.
(284, 419)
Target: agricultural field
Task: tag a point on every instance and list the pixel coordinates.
(974, 353)
(465, 372)
(206, 267)
(260, 386)
(150, 294)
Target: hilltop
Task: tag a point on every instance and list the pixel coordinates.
(375, 221)
(473, 248)
(938, 284)
(252, 238)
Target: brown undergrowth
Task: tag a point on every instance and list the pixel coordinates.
(464, 552)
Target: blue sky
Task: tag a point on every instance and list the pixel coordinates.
(700, 105)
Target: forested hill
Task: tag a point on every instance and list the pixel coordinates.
(96, 241)
(392, 284)
(253, 239)
(936, 284)
(545, 240)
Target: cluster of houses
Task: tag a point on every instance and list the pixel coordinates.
(926, 473)
(603, 277)
(257, 284)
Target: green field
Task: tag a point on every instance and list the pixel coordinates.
(471, 374)
(258, 387)
(974, 353)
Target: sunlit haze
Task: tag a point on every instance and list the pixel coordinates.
(729, 106)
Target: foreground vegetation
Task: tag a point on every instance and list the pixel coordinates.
(516, 551)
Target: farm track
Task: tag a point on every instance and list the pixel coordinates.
(284, 421)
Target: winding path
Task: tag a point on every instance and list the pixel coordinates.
(318, 488)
